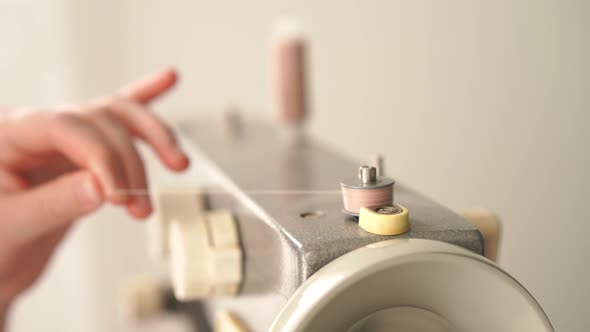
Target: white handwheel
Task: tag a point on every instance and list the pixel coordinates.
(411, 285)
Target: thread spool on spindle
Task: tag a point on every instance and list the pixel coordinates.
(287, 55)
(367, 190)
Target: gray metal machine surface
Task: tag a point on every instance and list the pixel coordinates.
(285, 196)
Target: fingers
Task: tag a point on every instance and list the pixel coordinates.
(147, 89)
(52, 205)
(100, 140)
(138, 203)
(78, 140)
(90, 147)
(148, 127)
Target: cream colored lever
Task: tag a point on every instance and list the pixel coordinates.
(206, 259)
(204, 246)
(189, 255)
(142, 298)
(170, 204)
(226, 321)
(489, 226)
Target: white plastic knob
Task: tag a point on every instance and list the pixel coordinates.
(490, 227)
(171, 204)
(226, 256)
(189, 258)
(204, 247)
(206, 259)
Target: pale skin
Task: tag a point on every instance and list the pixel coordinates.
(62, 163)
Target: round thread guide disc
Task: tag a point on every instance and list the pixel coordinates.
(384, 220)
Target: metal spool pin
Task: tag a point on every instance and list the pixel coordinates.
(367, 174)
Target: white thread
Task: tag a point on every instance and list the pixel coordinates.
(137, 192)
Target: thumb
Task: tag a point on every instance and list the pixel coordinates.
(51, 205)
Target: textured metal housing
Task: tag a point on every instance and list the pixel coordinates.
(285, 197)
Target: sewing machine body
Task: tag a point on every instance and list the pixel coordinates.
(283, 193)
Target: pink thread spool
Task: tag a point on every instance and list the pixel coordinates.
(368, 190)
(287, 56)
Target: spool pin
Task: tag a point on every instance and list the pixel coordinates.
(368, 190)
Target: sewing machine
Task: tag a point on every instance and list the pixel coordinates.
(264, 244)
(296, 262)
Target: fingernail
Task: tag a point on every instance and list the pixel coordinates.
(89, 194)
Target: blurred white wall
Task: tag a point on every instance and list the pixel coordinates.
(475, 103)
(37, 67)
(37, 52)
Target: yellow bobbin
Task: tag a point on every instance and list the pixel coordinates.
(384, 220)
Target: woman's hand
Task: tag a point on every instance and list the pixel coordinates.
(59, 165)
